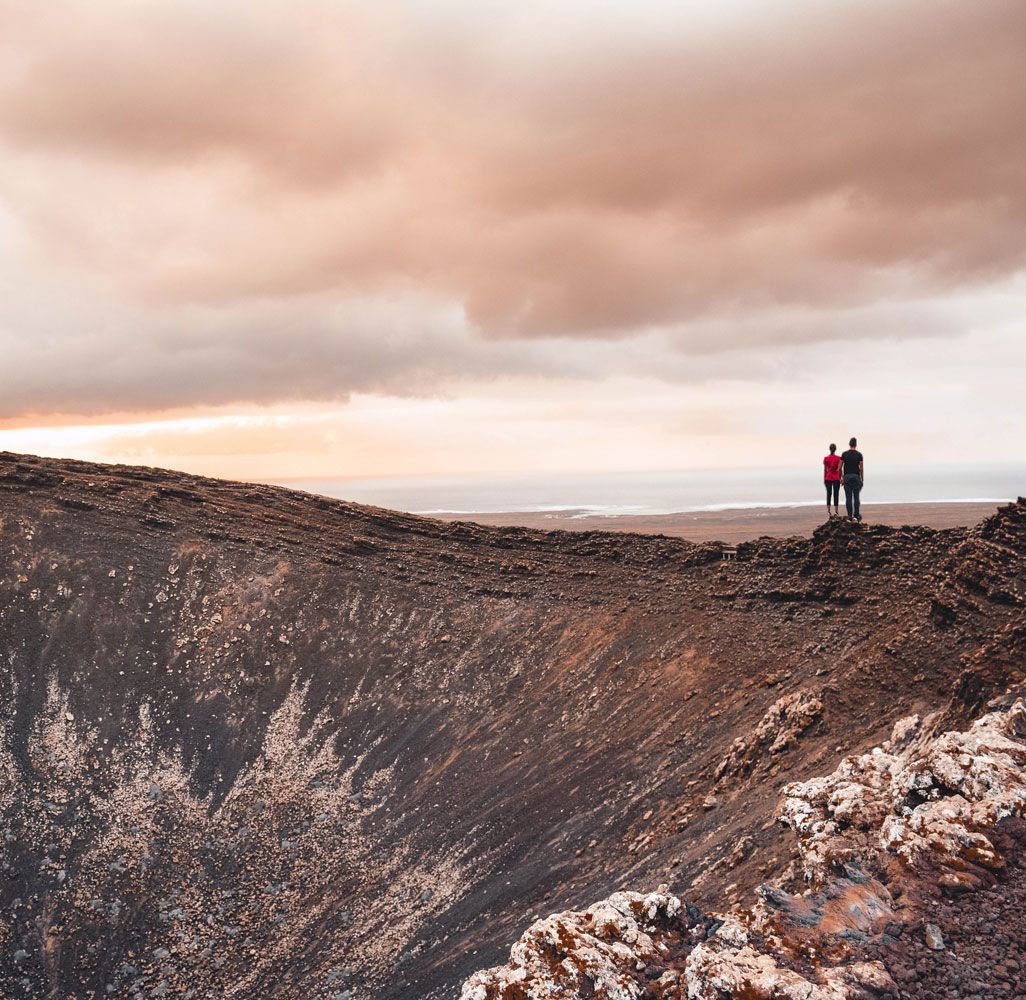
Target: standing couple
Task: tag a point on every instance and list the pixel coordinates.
(846, 468)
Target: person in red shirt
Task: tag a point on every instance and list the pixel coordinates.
(832, 479)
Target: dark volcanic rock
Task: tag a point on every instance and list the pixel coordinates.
(262, 743)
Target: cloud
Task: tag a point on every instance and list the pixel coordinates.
(95, 358)
(203, 203)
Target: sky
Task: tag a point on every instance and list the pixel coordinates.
(270, 239)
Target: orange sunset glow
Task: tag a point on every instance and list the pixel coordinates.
(268, 240)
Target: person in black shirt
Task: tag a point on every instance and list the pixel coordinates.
(853, 470)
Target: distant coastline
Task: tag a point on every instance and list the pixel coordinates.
(736, 524)
(609, 495)
(713, 508)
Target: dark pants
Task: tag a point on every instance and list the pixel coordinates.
(834, 489)
(852, 488)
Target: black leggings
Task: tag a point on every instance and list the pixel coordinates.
(832, 488)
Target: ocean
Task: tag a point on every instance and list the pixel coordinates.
(668, 492)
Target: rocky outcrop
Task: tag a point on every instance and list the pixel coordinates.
(782, 725)
(922, 807)
(611, 949)
(654, 946)
(915, 797)
(729, 969)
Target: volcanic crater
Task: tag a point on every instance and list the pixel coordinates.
(261, 743)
